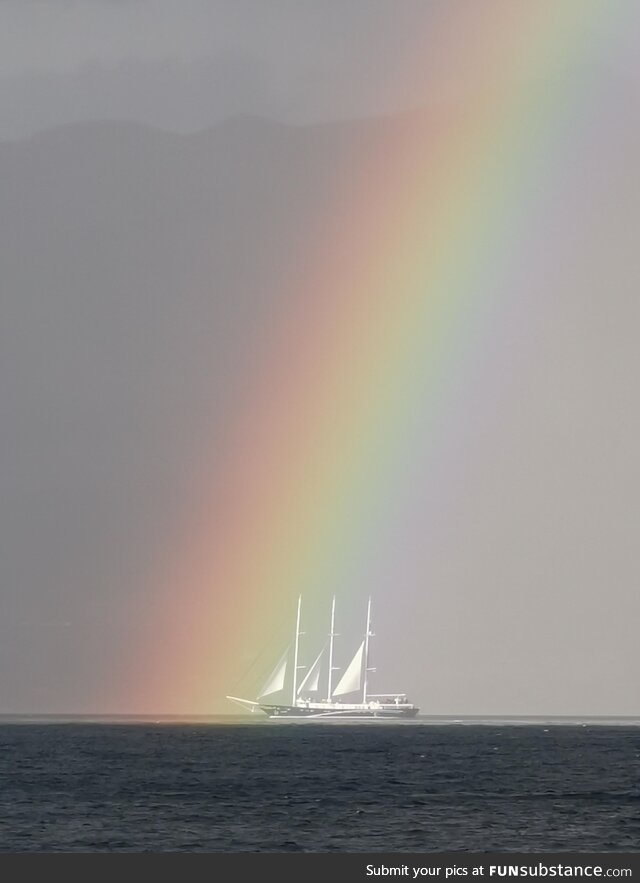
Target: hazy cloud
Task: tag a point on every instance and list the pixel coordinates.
(186, 65)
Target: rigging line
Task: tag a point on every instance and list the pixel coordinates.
(265, 650)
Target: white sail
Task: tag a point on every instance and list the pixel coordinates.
(312, 677)
(351, 679)
(275, 682)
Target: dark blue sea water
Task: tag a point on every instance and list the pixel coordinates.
(318, 788)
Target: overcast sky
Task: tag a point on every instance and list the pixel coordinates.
(186, 65)
(139, 271)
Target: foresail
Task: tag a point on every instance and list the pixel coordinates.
(351, 679)
(276, 679)
(312, 677)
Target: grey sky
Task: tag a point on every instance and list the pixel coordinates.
(59, 35)
(186, 65)
(137, 272)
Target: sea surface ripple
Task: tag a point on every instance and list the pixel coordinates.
(318, 788)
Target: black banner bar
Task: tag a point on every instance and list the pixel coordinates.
(374, 867)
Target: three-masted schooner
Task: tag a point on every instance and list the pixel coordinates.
(305, 702)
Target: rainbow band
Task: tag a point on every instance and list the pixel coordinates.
(391, 299)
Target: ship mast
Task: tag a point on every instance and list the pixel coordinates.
(331, 637)
(368, 634)
(295, 653)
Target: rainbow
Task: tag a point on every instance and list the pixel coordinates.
(390, 306)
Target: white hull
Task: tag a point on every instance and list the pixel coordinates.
(341, 711)
(315, 711)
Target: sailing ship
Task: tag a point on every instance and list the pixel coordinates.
(306, 702)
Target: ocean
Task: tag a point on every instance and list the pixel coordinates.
(274, 787)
